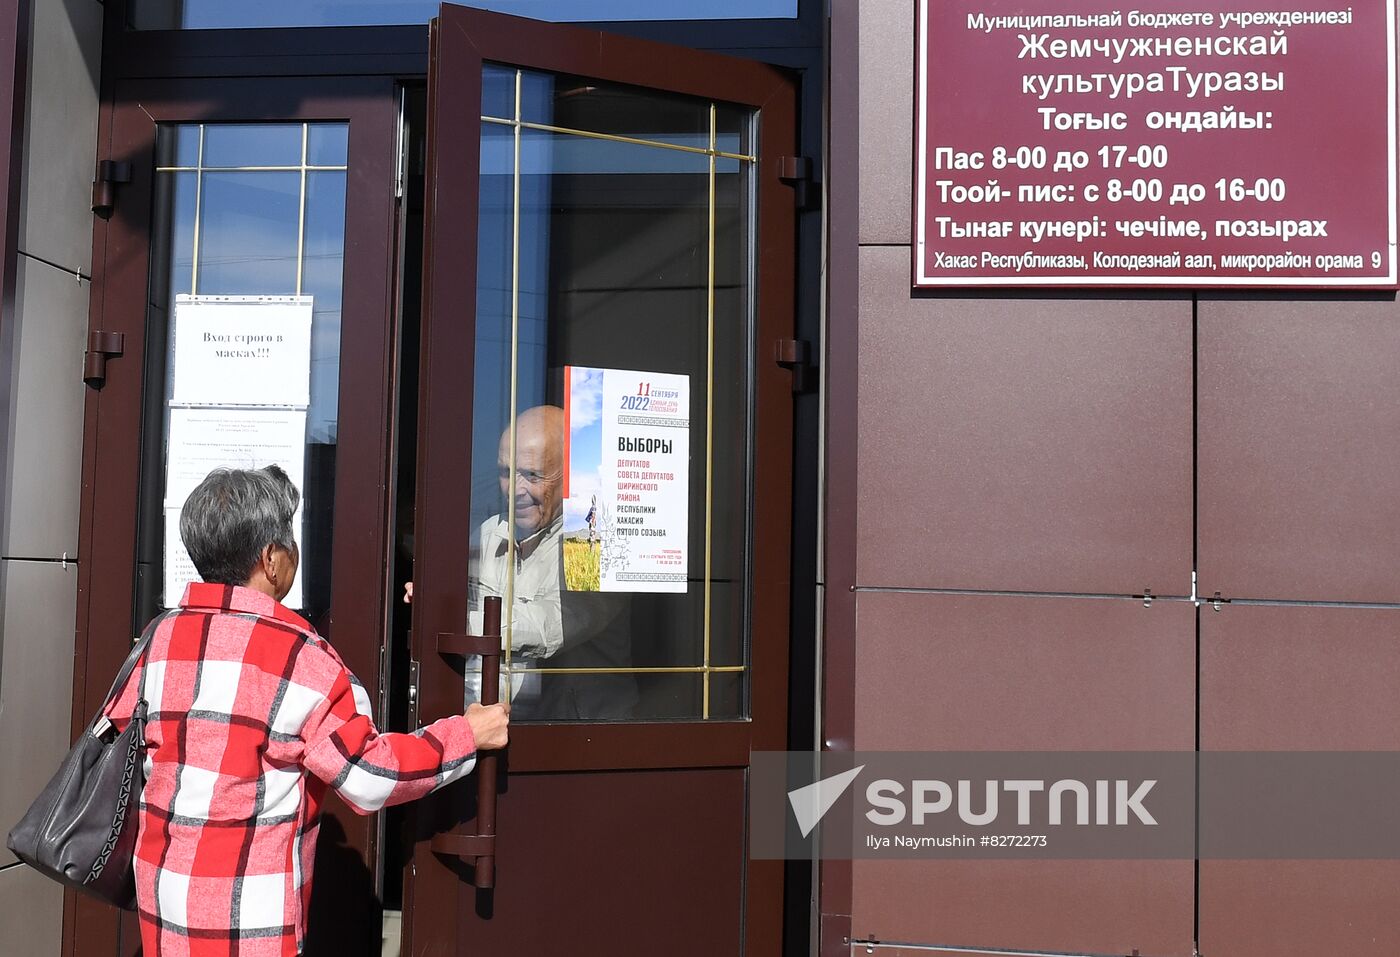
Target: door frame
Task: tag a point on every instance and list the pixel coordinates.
(113, 413)
(459, 47)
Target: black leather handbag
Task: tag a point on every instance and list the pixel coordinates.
(81, 830)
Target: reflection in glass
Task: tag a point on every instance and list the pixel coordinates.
(327, 144)
(248, 234)
(217, 14)
(184, 194)
(498, 91)
(575, 103)
(605, 254)
(178, 146)
(727, 695)
(252, 144)
(323, 265)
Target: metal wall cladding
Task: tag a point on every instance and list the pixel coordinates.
(886, 135)
(1080, 443)
(55, 221)
(1011, 673)
(1288, 678)
(36, 688)
(1299, 474)
(31, 913)
(39, 501)
(1022, 444)
(1007, 673)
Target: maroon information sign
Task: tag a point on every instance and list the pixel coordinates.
(1249, 146)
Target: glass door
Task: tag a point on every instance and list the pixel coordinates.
(259, 229)
(605, 445)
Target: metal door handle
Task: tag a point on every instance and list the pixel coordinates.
(480, 848)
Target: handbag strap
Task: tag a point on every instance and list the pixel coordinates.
(137, 651)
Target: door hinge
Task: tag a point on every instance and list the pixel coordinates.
(110, 174)
(412, 693)
(101, 347)
(795, 355)
(796, 171)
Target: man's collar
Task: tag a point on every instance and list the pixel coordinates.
(529, 542)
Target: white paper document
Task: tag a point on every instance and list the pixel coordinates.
(242, 350)
(203, 439)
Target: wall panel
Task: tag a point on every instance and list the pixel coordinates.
(1022, 445)
(1008, 673)
(37, 601)
(31, 908)
(1288, 678)
(886, 128)
(61, 133)
(45, 430)
(1299, 464)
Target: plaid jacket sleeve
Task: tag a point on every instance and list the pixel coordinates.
(370, 770)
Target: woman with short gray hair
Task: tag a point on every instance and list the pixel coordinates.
(237, 524)
(251, 717)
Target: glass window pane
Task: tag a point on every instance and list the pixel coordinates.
(606, 280)
(730, 465)
(275, 144)
(323, 265)
(727, 690)
(251, 239)
(216, 14)
(733, 129)
(248, 234)
(178, 146)
(183, 193)
(574, 103)
(498, 92)
(327, 144)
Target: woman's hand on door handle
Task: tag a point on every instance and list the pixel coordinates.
(490, 725)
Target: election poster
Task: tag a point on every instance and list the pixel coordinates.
(626, 485)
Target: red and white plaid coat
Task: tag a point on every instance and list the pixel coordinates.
(250, 716)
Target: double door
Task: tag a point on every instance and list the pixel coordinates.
(578, 412)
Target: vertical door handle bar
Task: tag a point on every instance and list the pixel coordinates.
(486, 763)
(480, 848)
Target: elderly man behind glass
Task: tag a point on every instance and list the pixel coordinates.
(251, 716)
(550, 627)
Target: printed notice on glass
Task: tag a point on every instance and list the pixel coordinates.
(626, 480)
(241, 385)
(203, 439)
(242, 350)
(1090, 144)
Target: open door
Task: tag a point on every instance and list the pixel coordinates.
(605, 444)
(250, 200)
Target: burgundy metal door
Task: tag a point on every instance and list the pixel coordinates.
(337, 181)
(595, 205)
